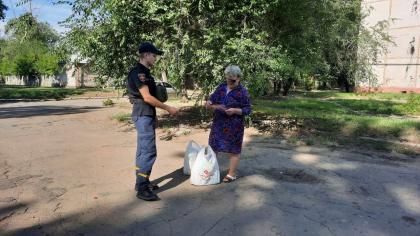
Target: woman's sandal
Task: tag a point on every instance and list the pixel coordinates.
(228, 178)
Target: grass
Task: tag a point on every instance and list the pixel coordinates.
(376, 107)
(376, 96)
(344, 120)
(326, 118)
(297, 107)
(108, 102)
(122, 117)
(333, 104)
(21, 92)
(372, 103)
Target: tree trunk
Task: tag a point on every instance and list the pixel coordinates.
(347, 85)
(277, 87)
(287, 85)
(184, 91)
(164, 76)
(344, 82)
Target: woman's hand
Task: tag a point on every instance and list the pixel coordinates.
(233, 111)
(209, 105)
(219, 107)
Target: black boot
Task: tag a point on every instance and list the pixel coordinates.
(151, 187)
(146, 194)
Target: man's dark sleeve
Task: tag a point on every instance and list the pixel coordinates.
(134, 77)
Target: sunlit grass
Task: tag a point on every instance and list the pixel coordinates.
(20, 92)
(377, 96)
(122, 117)
(345, 121)
(332, 121)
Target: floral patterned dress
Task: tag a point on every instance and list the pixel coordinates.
(227, 132)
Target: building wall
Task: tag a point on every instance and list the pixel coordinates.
(80, 76)
(74, 77)
(399, 69)
(43, 81)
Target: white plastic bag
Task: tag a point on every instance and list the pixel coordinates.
(205, 170)
(190, 155)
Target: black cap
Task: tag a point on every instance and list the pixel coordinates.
(149, 47)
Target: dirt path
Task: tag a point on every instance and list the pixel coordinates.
(67, 168)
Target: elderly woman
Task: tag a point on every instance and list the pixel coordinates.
(230, 102)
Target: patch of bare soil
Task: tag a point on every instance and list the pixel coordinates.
(290, 175)
(98, 94)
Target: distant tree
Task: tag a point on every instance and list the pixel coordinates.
(3, 8)
(29, 48)
(27, 27)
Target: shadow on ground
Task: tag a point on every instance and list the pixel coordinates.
(311, 131)
(28, 111)
(194, 116)
(175, 178)
(282, 192)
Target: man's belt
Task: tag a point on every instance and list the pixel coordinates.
(137, 101)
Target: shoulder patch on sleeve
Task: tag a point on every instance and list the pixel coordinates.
(142, 77)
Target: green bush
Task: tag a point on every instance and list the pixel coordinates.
(108, 102)
(309, 83)
(413, 104)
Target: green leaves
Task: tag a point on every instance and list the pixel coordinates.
(3, 8)
(30, 58)
(26, 27)
(30, 48)
(274, 42)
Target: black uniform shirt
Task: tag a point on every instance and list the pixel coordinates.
(139, 76)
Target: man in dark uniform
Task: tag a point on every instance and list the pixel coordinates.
(142, 94)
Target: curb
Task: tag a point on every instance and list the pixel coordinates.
(49, 99)
(79, 98)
